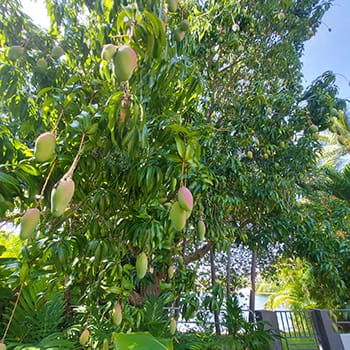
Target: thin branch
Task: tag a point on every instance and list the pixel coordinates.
(12, 313)
(198, 253)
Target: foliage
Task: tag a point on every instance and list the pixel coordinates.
(222, 111)
(39, 320)
(137, 341)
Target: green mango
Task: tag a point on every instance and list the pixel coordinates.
(141, 265)
(124, 62)
(108, 51)
(45, 145)
(178, 216)
(29, 221)
(57, 52)
(172, 5)
(61, 195)
(15, 52)
(201, 229)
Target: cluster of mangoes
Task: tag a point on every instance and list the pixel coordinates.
(17, 51)
(61, 193)
(123, 59)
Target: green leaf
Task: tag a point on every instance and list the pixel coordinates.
(8, 179)
(136, 341)
(181, 148)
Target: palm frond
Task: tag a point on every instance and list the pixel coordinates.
(39, 317)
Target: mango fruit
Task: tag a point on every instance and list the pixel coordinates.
(84, 337)
(61, 195)
(105, 345)
(2, 346)
(172, 5)
(171, 271)
(57, 52)
(178, 216)
(179, 35)
(124, 61)
(184, 25)
(45, 146)
(108, 51)
(117, 314)
(29, 221)
(185, 198)
(172, 326)
(201, 229)
(141, 265)
(15, 52)
(41, 64)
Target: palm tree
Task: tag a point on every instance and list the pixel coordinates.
(336, 142)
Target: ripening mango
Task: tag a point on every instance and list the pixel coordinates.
(141, 265)
(2, 346)
(108, 51)
(179, 35)
(172, 5)
(185, 198)
(84, 337)
(29, 221)
(178, 216)
(184, 25)
(61, 195)
(45, 146)
(15, 52)
(124, 61)
(201, 229)
(117, 314)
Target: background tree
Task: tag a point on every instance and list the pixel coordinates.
(217, 107)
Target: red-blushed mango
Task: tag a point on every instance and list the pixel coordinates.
(2, 346)
(184, 25)
(61, 195)
(45, 146)
(178, 216)
(141, 265)
(57, 52)
(179, 34)
(124, 61)
(185, 198)
(108, 51)
(172, 5)
(29, 222)
(171, 271)
(117, 314)
(105, 345)
(201, 229)
(84, 337)
(15, 52)
(172, 326)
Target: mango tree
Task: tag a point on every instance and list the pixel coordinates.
(138, 136)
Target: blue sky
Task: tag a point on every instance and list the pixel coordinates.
(327, 50)
(330, 50)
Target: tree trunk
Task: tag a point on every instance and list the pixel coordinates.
(213, 279)
(252, 286)
(228, 273)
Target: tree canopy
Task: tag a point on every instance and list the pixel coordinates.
(215, 104)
